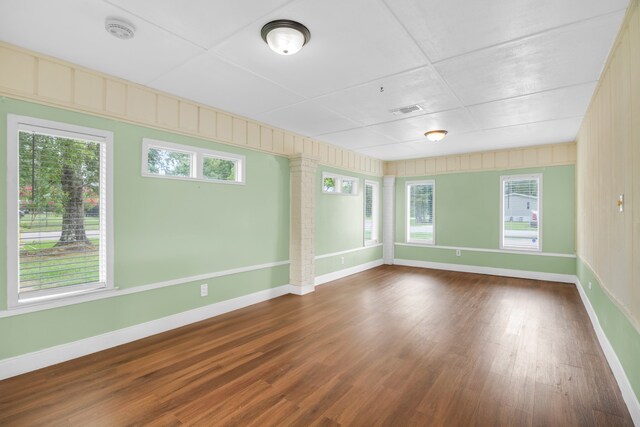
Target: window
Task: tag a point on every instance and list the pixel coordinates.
(339, 184)
(59, 215)
(521, 207)
(421, 212)
(167, 160)
(371, 212)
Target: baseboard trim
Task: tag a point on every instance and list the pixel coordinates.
(524, 274)
(616, 367)
(325, 278)
(61, 353)
(301, 290)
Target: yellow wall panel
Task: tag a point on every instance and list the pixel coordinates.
(116, 98)
(17, 72)
(167, 112)
(89, 90)
(188, 117)
(141, 105)
(207, 122)
(54, 81)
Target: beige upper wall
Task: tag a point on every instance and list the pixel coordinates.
(31, 76)
(543, 155)
(609, 165)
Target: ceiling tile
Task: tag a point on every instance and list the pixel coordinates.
(203, 22)
(551, 132)
(391, 152)
(560, 103)
(551, 60)
(369, 104)
(352, 42)
(356, 138)
(448, 28)
(306, 118)
(249, 95)
(454, 121)
(74, 30)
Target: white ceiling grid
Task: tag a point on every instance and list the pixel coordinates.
(495, 74)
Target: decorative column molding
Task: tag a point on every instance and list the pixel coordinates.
(388, 218)
(301, 241)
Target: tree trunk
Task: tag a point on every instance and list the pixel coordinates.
(73, 232)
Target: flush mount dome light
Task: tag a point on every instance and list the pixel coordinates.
(436, 135)
(284, 36)
(119, 28)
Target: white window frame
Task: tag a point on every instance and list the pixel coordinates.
(407, 222)
(338, 182)
(15, 124)
(375, 212)
(538, 177)
(197, 160)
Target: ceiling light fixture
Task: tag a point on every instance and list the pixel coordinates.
(119, 28)
(436, 135)
(284, 36)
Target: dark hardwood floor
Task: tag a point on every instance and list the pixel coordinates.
(395, 346)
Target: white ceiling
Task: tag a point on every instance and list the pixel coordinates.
(494, 73)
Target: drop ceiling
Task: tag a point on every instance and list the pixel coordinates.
(494, 73)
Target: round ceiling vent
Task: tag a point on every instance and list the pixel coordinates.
(120, 29)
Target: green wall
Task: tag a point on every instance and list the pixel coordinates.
(164, 229)
(468, 215)
(340, 225)
(622, 335)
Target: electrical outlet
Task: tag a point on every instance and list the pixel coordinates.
(204, 290)
(342, 260)
(589, 285)
(458, 252)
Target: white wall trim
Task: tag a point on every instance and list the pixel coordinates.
(348, 251)
(321, 280)
(499, 251)
(618, 371)
(524, 274)
(388, 217)
(133, 290)
(50, 356)
(301, 290)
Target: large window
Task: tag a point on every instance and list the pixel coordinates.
(371, 212)
(167, 160)
(420, 220)
(59, 210)
(521, 207)
(339, 184)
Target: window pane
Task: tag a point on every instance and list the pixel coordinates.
(347, 186)
(161, 161)
(221, 169)
(329, 185)
(520, 213)
(368, 212)
(421, 212)
(59, 212)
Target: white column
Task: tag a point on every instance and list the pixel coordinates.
(301, 241)
(388, 218)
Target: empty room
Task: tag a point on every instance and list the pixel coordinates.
(338, 212)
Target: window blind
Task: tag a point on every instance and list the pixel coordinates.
(61, 195)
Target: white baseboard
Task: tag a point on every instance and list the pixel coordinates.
(618, 371)
(50, 356)
(301, 290)
(536, 275)
(321, 280)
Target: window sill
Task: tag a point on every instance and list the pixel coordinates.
(60, 300)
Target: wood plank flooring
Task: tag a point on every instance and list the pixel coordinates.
(394, 346)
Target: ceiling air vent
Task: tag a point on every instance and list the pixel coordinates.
(406, 110)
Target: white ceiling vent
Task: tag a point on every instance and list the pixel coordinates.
(406, 110)
(119, 28)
